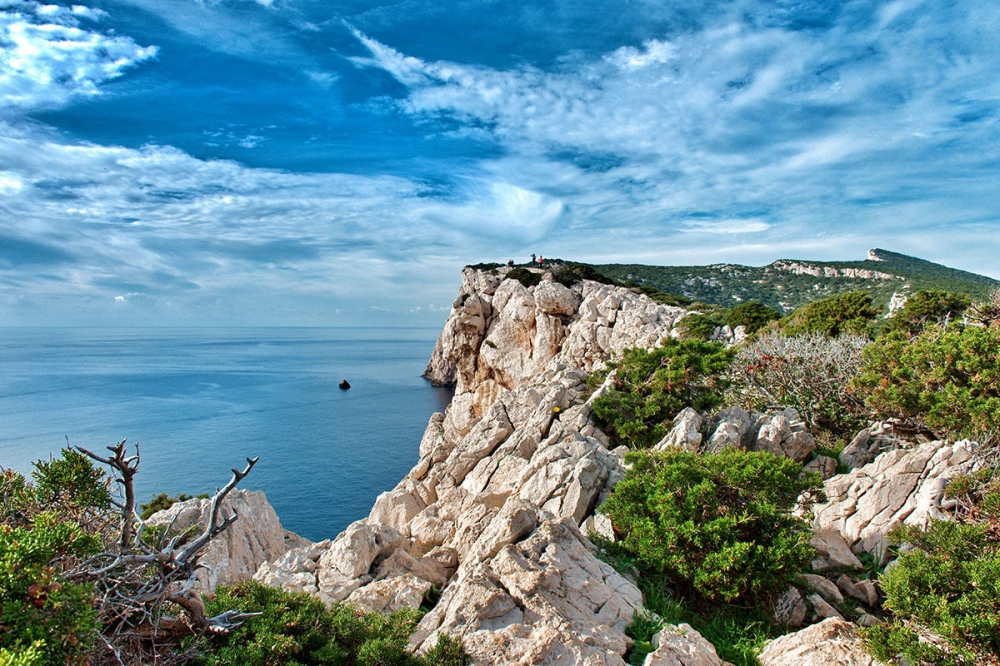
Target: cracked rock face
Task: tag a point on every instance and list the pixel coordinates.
(491, 512)
(903, 486)
(254, 539)
(832, 641)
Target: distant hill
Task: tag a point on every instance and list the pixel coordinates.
(788, 284)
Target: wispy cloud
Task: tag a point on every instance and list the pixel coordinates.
(48, 55)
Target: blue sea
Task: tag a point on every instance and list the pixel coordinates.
(199, 401)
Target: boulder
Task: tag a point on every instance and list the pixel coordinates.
(831, 642)
(825, 466)
(391, 594)
(832, 552)
(790, 608)
(901, 486)
(824, 587)
(784, 434)
(236, 554)
(734, 429)
(543, 600)
(681, 645)
(685, 434)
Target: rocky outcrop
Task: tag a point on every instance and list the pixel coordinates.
(491, 512)
(832, 641)
(235, 555)
(784, 434)
(681, 645)
(799, 268)
(900, 486)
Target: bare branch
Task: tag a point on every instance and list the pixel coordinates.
(126, 466)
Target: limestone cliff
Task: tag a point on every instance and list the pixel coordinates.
(491, 513)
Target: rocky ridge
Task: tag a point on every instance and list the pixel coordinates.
(494, 515)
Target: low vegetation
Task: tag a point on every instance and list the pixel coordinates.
(720, 526)
(298, 630)
(945, 378)
(83, 582)
(650, 387)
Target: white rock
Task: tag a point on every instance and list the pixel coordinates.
(831, 642)
(784, 434)
(681, 645)
(790, 609)
(391, 594)
(685, 433)
(235, 555)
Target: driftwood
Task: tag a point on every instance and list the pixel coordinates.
(146, 590)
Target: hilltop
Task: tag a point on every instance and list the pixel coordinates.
(788, 284)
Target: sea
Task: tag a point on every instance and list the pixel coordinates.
(198, 402)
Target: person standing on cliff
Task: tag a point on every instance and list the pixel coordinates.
(532, 259)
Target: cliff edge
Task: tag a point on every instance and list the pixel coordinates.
(490, 516)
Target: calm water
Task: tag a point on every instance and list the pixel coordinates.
(199, 401)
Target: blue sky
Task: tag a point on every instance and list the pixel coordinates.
(297, 162)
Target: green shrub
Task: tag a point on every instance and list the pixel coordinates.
(927, 306)
(809, 372)
(944, 596)
(570, 274)
(701, 325)
(753, 315)
(163, 501)
(844, 313)
(524, 276)
(39, 607)
(72, 483)
(945, 378)
(718, 525)
(298, 630)
(651, 386)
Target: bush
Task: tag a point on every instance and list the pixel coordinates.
(944, 596)
(298, 630)
(46, 527)
(570, 274)
(524, 276)
(930, 306)
(844, 313)
(163, 501)
(720, 526)
(753, 315)
(651, 386)
(702, 325)
(809, 372)
(947, 379)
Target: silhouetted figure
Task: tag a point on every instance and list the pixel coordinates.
(510, 262)
(532, 259)
(344, 384)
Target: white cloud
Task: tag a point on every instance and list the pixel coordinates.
(46, 58)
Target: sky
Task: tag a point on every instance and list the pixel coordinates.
(308, 162)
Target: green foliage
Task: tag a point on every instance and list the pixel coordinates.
(298, 630)
(722, 284)
(738, 632)
(701, 325)
(929, 306)
(945, 378)
(524, 276)
(163, 501)
(719, 525)
(651, 387)
(808, 372)
(754, 315)
(658, 296)
(570, 274)
(71, 482)
(41, 610)
(30, 656)
(944, 595)
(844, 313)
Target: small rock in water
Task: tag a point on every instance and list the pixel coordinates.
(344, 384)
